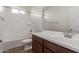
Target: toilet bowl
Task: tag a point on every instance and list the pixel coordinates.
(27, 44)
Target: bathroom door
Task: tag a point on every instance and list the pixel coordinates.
(0, 28)
(2, 16)
(2, 13)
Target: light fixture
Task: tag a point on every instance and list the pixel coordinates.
(15, 11)
(35, 14)
(22, 12)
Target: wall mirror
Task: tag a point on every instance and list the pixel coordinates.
(61, 18)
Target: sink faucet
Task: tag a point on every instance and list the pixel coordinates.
(68, 34)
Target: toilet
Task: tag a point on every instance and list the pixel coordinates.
(27, 44)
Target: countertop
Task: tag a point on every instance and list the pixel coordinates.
(58, 38)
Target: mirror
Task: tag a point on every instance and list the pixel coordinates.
(61, 18)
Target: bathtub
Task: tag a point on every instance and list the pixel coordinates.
(11, 43)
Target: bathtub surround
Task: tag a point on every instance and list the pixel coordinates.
(15, 26)
(14, 29)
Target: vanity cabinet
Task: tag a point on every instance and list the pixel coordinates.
(40, 45)
(37, 44)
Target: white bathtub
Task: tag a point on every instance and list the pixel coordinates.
(11, 43)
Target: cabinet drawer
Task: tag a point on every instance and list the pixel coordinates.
(56, 48)
(38, 39)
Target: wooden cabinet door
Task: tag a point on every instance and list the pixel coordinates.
(36, 47)
(56, 48)
(47, 50)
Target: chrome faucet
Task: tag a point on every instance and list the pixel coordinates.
(68, 34)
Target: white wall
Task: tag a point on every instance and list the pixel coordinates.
(36, 24)
(36, 18)
(58, 19)
(62, 18)
(75, 19)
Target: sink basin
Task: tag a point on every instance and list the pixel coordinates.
(75, 37)
(58, 35)
(52, 33)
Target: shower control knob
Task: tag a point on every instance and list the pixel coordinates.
(0, 41)
(2, 19)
